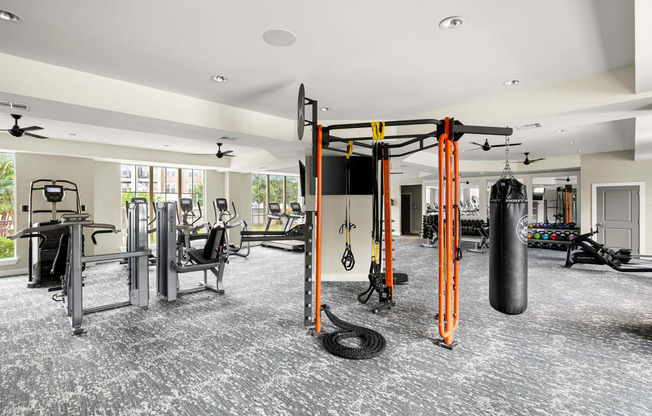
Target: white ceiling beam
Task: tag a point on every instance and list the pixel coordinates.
(643, 45)
(29, 78)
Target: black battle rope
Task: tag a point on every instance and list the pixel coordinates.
(376, 232)
(373, 343)
(348, 260)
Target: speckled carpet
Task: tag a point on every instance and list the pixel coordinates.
(584, 346)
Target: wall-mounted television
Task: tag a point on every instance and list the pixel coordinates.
(334, 176)
(302, 179)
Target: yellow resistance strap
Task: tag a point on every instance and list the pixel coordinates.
(349, 149)
(378, 128)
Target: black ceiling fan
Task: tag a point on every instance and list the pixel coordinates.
(220, 154)
(565, 180)
(487, 147)
(16, 131)
(527, 160)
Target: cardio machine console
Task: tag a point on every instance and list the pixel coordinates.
(296, 207)
(222, 205)
(274, 208)
(185, 204)
(53, 193)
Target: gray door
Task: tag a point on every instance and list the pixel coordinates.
(617, 211)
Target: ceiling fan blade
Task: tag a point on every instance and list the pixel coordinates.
(395, 173)
(498, 145)
(473, 150)
(477, 144)
(229, 155)
(4, 129)
(227, 152)
(536, 160)
(36, 136)
(32, 128)
(202, 154)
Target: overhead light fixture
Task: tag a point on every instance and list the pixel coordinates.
(452, 22)
(511, 82)
(580, 151)
(219, 78)
(325, 109)
(573, 142)
(561, 131)
(73, 134)
(279, 37)
(8, 16)
(166, 145)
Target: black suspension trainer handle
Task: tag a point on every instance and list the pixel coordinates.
(458, 229)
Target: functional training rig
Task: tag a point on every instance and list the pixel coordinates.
(443, 134)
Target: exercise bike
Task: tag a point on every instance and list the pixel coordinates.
(584, 250)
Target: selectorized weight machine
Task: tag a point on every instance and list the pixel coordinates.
(443, 134)
(70, 259)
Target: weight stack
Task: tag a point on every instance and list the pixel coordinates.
(508, 249)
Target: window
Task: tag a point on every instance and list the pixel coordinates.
(160, 184)
(271, 188)
(7, 216)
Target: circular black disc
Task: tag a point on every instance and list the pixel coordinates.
(301, 108)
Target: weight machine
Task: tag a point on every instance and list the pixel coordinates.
(443, 134)
(173, 258)
(70, 259)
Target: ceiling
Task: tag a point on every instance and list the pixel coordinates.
(367, 60)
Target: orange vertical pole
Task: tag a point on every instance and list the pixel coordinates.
(448, 241)
(449, 238)
(442, 234)
(318, 232)
(389, 267)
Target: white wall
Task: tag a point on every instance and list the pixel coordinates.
(615, 167)
(238, 190)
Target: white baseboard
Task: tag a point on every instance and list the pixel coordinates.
(13, 272)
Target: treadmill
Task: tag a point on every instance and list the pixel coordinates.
(275, 213)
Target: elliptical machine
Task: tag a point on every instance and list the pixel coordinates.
(187, 230)
(43, 250)
(221, 208)
(584, 250)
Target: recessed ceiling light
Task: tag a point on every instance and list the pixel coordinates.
(580, 151)
(561, 131)
(484, 157)
(219, 78)
(452, 22)
(166, 145)
(325, 109)
(279, 37)
(9, 16)
(511, 82)
(573, 142)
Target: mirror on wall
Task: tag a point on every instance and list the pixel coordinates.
(470, 198)
(432, 199)
(554, 199)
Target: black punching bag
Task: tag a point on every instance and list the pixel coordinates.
(508, 248)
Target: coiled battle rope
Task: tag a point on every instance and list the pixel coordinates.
(373, 343)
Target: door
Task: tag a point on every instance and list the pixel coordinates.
(618, 212)
(406, 216)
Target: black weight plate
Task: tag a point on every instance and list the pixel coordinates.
(301, 111)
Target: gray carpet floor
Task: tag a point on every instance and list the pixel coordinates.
(584, 346)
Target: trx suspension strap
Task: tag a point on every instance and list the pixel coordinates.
(376, 230)
(348, 260)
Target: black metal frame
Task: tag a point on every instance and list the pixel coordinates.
(601, 255)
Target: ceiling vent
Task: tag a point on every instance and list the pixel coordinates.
(15, 106)
(529, 126)
(227, 138)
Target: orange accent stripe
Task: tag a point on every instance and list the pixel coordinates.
(318, 225)
(389, 267)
